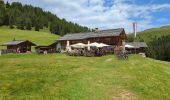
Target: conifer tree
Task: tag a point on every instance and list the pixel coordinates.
(2, 12)
(37, 27)
(16, 14)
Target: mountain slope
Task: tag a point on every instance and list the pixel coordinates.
(149, 34)
(158, 41)
(39, 38)
(26, 17)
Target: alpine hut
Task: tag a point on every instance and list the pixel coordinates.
(20, 46)
(113, 37)
(136, 47)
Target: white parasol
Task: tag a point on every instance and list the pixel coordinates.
(129, 46)
(78, 45)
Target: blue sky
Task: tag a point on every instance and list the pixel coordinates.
(106, 14)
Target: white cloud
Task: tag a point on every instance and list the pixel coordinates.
(93, 13)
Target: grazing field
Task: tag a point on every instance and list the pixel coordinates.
(40, 38)
(150, 34)
(61, 77)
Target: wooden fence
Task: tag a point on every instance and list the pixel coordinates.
(6, 51)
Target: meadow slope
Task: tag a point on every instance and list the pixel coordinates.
(149, 34)
(61, 77)
(40, 38)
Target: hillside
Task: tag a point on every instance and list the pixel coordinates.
(158, 41)
(61, 77)
(149, 34)
(42, 37)
(27, 17)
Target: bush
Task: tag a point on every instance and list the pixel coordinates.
(159, 48)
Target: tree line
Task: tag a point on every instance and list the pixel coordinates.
(27, 17)
(159, 48)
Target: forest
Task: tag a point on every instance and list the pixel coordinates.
(159, 48)
(158, 41)
(27, 17)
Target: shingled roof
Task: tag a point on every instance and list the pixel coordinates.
(16, 42)
(137, 44)
(100, 33)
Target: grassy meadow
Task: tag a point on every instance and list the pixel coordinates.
(43, 37)
(149, 35)
(61, 77)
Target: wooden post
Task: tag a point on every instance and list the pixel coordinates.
(68, 43)
(68, 48)
(123, 44)
(88, 48)
(135, 32)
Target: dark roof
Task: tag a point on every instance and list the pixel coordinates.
(137, 44)
(17, 42)
(44, 46)
(47, 47)
(100, 33)
(13, 42)
(53, 44)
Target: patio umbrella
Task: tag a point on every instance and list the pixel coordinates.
(129, 46)
(98, 45)
(95, 44)
(104, 45)
(78, 45)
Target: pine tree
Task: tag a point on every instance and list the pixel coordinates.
(28, 26)
(159, 48)
(2, 12)
(11, 26)
(7, 5)
(20, 23)
(16, 14)
(37, 27)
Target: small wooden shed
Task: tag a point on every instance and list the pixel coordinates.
(46, 49)
(21, 46)
(136, 47)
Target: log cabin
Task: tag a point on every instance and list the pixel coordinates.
(113, 37)
(23, 46)
(49, 49)
(136, 47)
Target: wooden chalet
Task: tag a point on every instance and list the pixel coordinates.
(113, 37)
(20, 46)
(48, 49)
(136, 47)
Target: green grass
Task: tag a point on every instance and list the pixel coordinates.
(147, 35)
(61, 77)
(40, 38)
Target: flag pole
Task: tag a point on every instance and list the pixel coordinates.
(135, 33)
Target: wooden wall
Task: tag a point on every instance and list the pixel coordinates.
(113, 41)
(24, 47)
